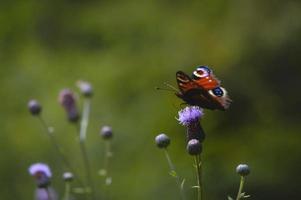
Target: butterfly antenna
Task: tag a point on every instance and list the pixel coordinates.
(171, 87)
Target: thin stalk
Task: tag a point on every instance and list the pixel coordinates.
(173, 170)
(241, 185)
(108, 154)
(82, 138)
(105, 169)
(67, 190)
(49, 132)
(198, 166)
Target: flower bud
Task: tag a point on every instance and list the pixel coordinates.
(106, 132)
(194, 147)
(162, 140)
(85, 88)
(243, 169)
(68, 176)
(34, 107)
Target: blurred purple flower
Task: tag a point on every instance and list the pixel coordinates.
(42, 174)
(37, 168)
(67, 100)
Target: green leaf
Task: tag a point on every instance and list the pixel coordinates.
(241, 195)
(173, 173)
(230, 198)
(182, 184)
(246, 196)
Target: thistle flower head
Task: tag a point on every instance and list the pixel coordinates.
(34, 107)
(243, 169)
(67, 100)
(42, 174)
(85, 88)
(38, 168)
(162, 140)
(194, 147)
(190, 115)
(106, 132)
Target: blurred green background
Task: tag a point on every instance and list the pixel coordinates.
(126, 49)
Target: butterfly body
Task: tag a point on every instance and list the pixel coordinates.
(202, 89)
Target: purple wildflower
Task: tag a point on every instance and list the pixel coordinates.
(190, 114)
(42, 174)
(37, 168)
(190, 117)
(67, 100)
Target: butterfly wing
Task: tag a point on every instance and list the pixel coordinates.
(203, 89)
(185, 83)
(190, 91)
(215, 94)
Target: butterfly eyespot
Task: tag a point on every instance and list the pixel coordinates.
(218, 91)
(201, 72)
(205, 68)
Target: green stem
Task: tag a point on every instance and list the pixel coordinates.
(67, 190)
(82, 138)
(108, 154)
(198, 164)
(49, 131)
(241, 185)
(173, 170)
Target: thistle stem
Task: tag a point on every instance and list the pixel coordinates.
(173, 170)
(49, 132)
(67, 190)
(198, 166)
(108, 154)
(241, 185)
(82, 138)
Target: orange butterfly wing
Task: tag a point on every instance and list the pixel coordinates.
(203, 90)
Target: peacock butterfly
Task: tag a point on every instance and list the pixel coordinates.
(202, 89)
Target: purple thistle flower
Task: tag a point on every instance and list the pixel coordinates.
(67, 100)
(36, 168)
(190, 117)
(42, 174)
(190, 114)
